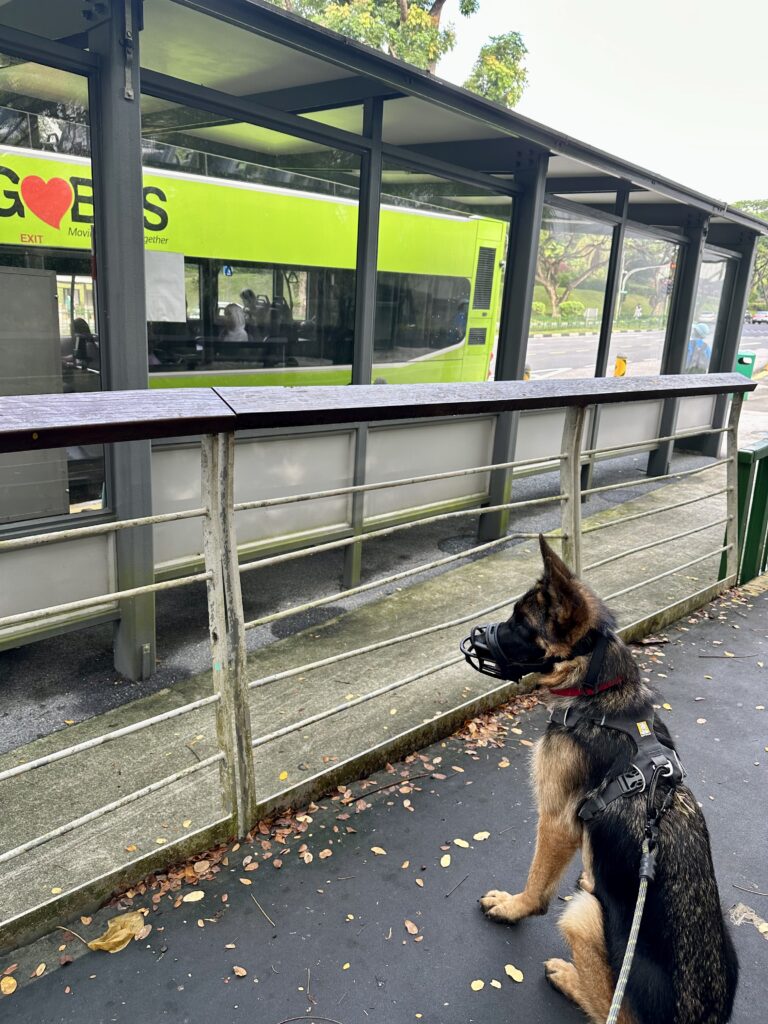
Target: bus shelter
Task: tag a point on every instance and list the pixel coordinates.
(215, 192)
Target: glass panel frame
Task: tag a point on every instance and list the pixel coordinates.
(267, 224)
(642, 317)
(574, 251)
(439, 275)
(46, 215)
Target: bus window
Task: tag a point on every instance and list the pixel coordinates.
(417, 314)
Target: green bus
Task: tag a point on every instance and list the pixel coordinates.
(249, 283)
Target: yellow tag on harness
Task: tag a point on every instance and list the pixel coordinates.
(643, 729)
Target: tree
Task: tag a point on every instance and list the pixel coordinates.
(759, 294)
(566, 259)
(412, 30)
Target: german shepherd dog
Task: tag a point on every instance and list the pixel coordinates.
(685, 968)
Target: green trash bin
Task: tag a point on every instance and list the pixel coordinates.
(745, 364)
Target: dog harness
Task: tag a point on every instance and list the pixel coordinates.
(652, 758)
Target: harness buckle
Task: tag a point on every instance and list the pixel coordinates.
(631, 782)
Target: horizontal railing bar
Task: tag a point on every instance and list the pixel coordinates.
(653, 440)
(656, 543)
(669, 572)
(653, 511)
(654, 479)
(394, 578)
(389, 530)
(79, 532)
(92, 602)
(391, 642)
(97, 741)
(243, 506)
(123, 801)
(322, 715)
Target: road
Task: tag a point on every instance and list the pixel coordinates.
(574, 355)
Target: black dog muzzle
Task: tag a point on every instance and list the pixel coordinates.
(484, 651)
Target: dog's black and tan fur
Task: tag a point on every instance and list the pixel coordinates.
(685, 968)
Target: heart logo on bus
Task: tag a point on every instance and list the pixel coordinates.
(48, 200)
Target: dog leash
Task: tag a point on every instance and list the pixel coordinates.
(647, 874)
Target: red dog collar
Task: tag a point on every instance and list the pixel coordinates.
(575, 691)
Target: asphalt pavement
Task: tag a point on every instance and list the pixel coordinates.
(354, 915)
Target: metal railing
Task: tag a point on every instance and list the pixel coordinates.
(58, 421)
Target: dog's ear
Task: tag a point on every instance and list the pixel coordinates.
(569, 608)
(554, 566)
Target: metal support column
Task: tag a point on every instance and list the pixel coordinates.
(678, 335)
(612, 300)
(519, 281)
(570, 477)
(732, 553)
(727, 345)
(119, 248)
(227, 628)
(365, 311)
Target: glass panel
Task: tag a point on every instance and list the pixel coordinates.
(49, 337)
(251, 239)
(568, 299)
(440, 277)
(647, 281)
(709, 294)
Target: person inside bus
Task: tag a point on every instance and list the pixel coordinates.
(256, 314)
(234, 324)
(86, 349)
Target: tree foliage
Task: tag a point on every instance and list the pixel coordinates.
(758, 297)
(413, 31)
(499, 72)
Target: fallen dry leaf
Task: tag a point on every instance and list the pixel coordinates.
(345, 967)
(405, 864)
(462, 843)
(378, 851)
(201, 866)
(186, 823)
(420, 882)
(8, 985)
(39, 970)
(481, 836)
(246, 881)
(325, 854)
(445, 860)
(477, 985)
(85, 920)
(144, 932)
(410, 927)
(193, 897)
(10, 969)
(513, 972)
(240, 972)
(120, 931)
(495, 983)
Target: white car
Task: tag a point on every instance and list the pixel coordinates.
(760, 317)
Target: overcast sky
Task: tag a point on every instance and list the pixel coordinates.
(679, 87)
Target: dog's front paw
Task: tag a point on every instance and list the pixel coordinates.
(563, 975)
(501, 906)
